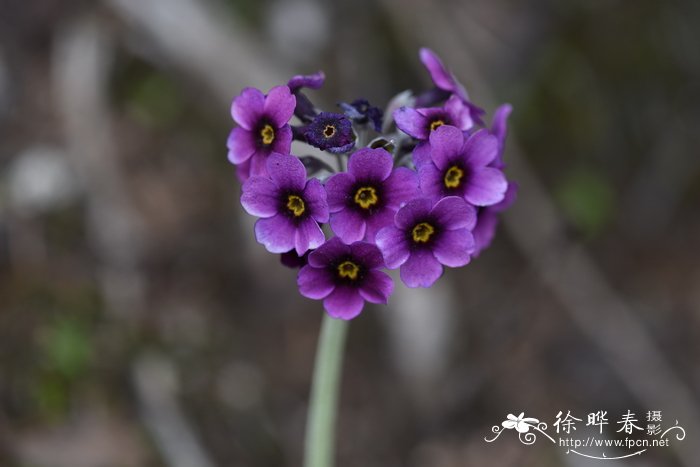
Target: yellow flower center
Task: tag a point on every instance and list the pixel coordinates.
(435, 124)
(267, 134)
(366, 197)
(453, 177)
(329, 131)
(348, 270)
(422, 232)
(296, 205)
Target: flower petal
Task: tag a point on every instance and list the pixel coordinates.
(370, 164)
(411, 122)
(276, 233)
(453, 248)
(315, 283)
(308, 235)
(453, 213)
(377, 287)
(348, 225)
(446, 145)
(241, 145)
(439, 74)
(344, 302)
(421, 269)
(414, 211)
(400, 187)
(377, 221)
(485, 230)
(421, 154)
(258, 163)
(248, 107)
(260, 197)
(315, 198)
(431, 181)
(486, 186)
(338, 191)
(368, 254)
(312, 81)
(283, 140)
(324, 255)
(394, 246)
(459, 113)
(480, 149)
(279, 105)
(286, 171)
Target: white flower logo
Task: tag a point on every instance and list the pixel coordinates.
(521, 425)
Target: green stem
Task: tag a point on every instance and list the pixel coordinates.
(319, 448)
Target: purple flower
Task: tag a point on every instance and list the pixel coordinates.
(344, 277)
(426, 237)
(445, 80)
(330, 132)
(290, 207)
(460, 167)
(419, 123)
(487, 220)
(263, 128)
(365, 198)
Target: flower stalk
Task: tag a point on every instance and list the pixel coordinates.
(319, 448)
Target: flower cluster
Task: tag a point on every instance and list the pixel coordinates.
(416, 189)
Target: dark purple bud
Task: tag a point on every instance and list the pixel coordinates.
(362, 112)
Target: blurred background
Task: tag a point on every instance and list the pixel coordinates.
(141, 325)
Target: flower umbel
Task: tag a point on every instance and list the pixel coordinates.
(417, 188)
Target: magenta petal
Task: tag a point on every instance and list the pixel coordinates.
(394, 246)
(344, 303)
(484, 231)
(370, 164)
(308, 236)
(453, 213)
(439, 74)
(338, 190)
(421, 269)
(260, 197)
(315, 283)
(378, 221)
(248, 107)
(459, 113)
(454, 247)
(431, 181)
(421, 154)
(243, 171)
(258, 163)
(499, 125)
(368, 254)
(446, 144)
(412, 212)
(328, 252)
(377, 287)
(348, 225)
(481, 148)
(315, 198)
(241, 145)
(276, 233)
(411, 122)
(286, 171)
(283, 140)
(400, 187)
(279, 105)
(487, 186)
